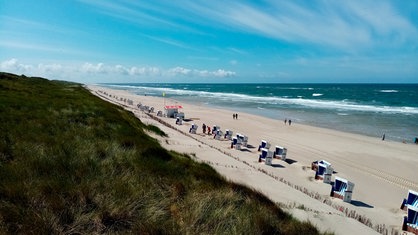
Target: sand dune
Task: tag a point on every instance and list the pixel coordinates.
(382, 171)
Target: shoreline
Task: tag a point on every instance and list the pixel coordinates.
(383, 168)
(382, 120)
(388, 138)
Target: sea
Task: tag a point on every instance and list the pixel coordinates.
(368, 109)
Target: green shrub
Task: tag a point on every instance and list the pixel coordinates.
(73, 163)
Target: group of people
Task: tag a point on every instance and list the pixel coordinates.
(204, 127)
(235, 116)
(287, 121)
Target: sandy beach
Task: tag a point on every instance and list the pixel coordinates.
(383, 171)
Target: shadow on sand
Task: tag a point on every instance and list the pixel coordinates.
(250, 146)
(245, 150)
(277, 166)
(361, 204)
(290, 161)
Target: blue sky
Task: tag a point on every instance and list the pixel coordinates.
(275, 41)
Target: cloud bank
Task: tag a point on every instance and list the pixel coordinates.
(59, 71)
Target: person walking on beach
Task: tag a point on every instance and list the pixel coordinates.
(233, 116)
(204, 128)
(236, 116)
(383, 137)
(285, 121)
(290, 122)
(208, 130)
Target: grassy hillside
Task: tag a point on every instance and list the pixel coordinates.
(71, 163)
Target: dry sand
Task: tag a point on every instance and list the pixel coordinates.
(382, 171)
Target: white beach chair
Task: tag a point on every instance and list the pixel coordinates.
(324, 172)
(243, 139)
(228, 134)
(280, 152)
(193, 128)
(179, 121)
(218, 134)
(264, 144)
(343, 189)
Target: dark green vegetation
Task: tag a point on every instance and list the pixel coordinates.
(71, 163)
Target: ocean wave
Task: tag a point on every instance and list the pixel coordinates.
(298, 88)
(242, 99)
(388, 91)
(317, 94)
(351, 106)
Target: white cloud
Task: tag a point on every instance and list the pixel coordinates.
(142, 71)
(91, 68)
(223, 73)
(343, 25)
(101, 70)
(13, 65)
(179, 71)
(200, 73)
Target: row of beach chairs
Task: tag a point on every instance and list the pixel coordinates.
(341, 188)
(267, 155)
(145, 108)
(129, 101)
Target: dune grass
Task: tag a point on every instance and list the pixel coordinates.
(71, 163)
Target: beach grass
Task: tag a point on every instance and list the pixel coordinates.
(71, 163)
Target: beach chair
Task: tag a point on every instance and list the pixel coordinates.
(243, 139)
(280, 152)
(240, 137)
(236, 143)
(215, 128)
(324, 172)
(314, 164)
(193, 128)
(264, 144)
(228, 134)
(342, 189)
(266, 155)
(263, 153)
(218, 134)
(179, 121)
(269, 158)
(411, 200)
(410, 222)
